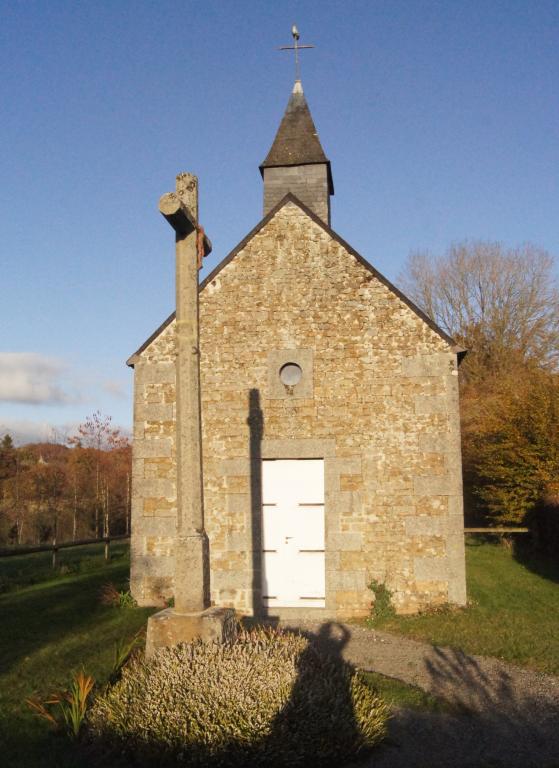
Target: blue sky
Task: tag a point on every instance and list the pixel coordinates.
(440, 118)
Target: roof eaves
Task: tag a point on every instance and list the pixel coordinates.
(134, 358)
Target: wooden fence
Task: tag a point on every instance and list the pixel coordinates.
(55, 546)
(496, 531)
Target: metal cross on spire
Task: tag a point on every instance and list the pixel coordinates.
(295, 47)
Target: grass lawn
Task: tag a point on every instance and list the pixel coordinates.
(20, 571)
(53, 625)
(399, 694)
(49, 630)
(513, 612)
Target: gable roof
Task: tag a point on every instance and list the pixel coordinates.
(297, 142)
(290, 198)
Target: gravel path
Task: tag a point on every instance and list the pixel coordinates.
(506, 717)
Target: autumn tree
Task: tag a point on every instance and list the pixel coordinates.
(503, 306)
(7, 457)
(514, 453)
(102, 446)
(13, 490)
(51, 491)
(50, 479)
(7, 472)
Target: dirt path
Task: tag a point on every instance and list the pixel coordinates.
(506, 716)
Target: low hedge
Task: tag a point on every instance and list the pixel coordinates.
(269, 698)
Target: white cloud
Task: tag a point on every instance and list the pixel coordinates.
(115, 388)
(32, 378)
(24, 431)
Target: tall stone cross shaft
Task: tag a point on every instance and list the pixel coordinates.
(180, 208)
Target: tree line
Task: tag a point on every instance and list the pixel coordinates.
(55, 492)
(502, 305)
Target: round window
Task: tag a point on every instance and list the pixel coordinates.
(290, 374)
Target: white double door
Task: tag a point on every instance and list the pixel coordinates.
(293, 532)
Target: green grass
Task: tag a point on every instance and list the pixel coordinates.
(513, 611)
(399, 694)
(53, 625)
(49, 630)
(19, 571)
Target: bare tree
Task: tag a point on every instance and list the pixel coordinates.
(97, 433)
(98, 436)
(502, 304)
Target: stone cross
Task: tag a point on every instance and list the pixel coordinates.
(180, 208)
(191, 617)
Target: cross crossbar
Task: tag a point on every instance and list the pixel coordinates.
(296, 47)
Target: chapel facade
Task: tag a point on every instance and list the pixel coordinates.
(330, 421)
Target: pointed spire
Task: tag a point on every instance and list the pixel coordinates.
(297, 142)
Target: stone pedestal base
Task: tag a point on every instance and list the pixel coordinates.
(168, 628)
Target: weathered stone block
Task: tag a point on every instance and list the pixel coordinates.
(354, 581)
(168, 628)
(438, 485)
(430, 568)
(155, 448)
(427, 365)
(342, 542)
(435, 442)
(155, 487)
(428, 404)
(426, 525)
(236, 466)
(297, 448)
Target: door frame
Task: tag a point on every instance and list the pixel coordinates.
(308, 448)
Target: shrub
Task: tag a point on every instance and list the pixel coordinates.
(110, 595)
(382, 607)
(268, 698)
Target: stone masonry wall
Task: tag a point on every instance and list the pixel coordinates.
(379, 403)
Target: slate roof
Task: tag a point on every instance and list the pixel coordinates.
(297, 141)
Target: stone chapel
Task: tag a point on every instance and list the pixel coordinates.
(330, 423)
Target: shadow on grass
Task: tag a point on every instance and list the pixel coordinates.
(47, 632)
(48, 613)
(525, 550)
(21, 571)
(493, 720)
(28, 744)
(542, 564)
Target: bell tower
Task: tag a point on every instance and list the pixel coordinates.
(296, 162)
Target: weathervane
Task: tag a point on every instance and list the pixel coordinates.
(296, 47)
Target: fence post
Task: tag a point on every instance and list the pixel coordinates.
(54, 551)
